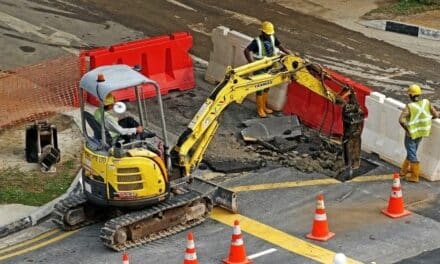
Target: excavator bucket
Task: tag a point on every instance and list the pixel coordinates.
(353, 119)
(219, 196)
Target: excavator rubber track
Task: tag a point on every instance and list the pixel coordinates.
(111, 227)
(62, 208)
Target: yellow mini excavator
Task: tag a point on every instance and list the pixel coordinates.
(144, 189)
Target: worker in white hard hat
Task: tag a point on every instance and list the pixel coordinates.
(416, 120)
(118, 129)
(265, 45)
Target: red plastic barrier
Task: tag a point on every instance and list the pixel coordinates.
(315, 111)
(164, 59)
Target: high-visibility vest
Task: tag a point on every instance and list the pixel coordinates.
(262, 50)
(419, 123)
(98, 117)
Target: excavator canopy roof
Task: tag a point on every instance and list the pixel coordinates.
(115, 77)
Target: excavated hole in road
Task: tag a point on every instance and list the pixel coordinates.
(308, 153)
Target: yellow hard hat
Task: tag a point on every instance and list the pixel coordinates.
(267, 28)
(414, 90)
(109, 100)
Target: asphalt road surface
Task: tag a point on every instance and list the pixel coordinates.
(362, 233)
(74, 24)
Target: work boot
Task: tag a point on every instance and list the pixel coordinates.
(260, 106)
(266, 109)
(415, 172)
(404, 170)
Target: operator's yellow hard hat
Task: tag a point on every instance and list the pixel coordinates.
(414, 90)
(267, 28)
(109, 100)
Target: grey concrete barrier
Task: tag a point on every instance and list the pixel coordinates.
(383, 135)
(228, 50)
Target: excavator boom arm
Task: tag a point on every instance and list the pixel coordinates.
(235, 87)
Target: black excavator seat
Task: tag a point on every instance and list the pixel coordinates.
(96, 127)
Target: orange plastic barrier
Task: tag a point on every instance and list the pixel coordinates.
(165, 59)
(315, 111)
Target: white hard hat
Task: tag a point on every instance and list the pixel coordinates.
(119, 107)
(340, 259)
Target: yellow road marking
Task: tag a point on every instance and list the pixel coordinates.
(30, 241)
(277, 237)
(295, 184)
(282, 185)
(45, 243)
(372, 178)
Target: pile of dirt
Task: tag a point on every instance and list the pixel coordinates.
(307, 153)
(227, 154)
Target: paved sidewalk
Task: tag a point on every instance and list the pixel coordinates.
(348, 14)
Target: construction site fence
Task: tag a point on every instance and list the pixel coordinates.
(34, 92)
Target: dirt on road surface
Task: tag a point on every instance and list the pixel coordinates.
(384, 67)
(51, 26)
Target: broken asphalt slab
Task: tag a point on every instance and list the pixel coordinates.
(266, 129)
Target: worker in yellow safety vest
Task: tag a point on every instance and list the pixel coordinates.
(265, 45)
(416, 120)
(118, 128)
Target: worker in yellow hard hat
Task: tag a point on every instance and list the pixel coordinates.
(118, 129)
(265, 45)
(416, 120)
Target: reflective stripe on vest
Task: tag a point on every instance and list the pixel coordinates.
(262, 50)
(98, 118)
(419, 123)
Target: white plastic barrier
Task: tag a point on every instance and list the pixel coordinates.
(383, 135)
(228, 50)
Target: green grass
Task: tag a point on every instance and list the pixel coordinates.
(405, 7)
(35, 188)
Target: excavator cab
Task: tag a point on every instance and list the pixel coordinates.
(127, 182)
(119, 172)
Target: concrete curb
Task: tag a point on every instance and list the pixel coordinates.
(403, 28)
(42, 212)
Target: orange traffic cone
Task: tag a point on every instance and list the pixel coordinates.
(190, 252)
(237, 252)
(320, 226)
(395, 203)
(125, 259)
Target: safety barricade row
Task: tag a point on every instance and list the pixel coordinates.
(165, 59)
(383, 135)
(318, 112)
(228, 50)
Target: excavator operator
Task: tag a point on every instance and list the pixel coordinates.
(265, 45)
(123, 128)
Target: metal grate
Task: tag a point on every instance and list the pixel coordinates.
(129, 178)
(130, 187)
(128, 170)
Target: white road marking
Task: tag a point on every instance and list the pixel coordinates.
(58, 37)
(181, 5)
(262, 253)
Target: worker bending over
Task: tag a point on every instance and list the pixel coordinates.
(416, 120)
(265, 45)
